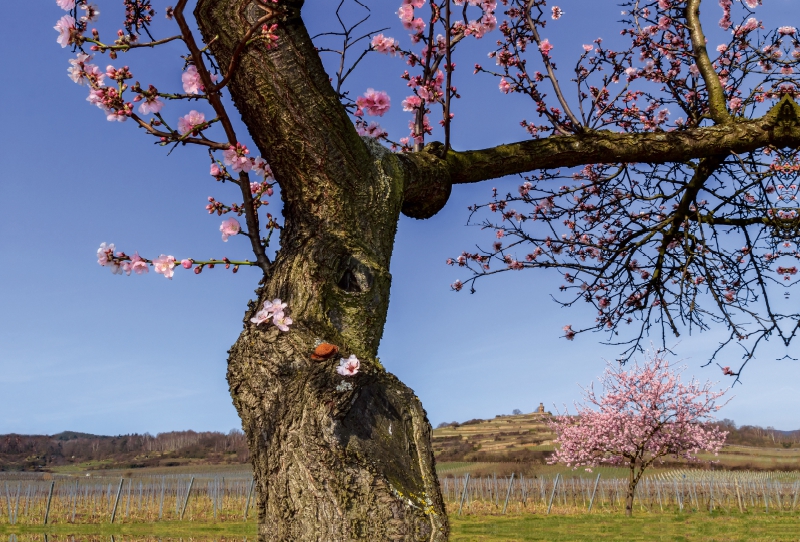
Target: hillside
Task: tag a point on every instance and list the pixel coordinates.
(525, 440)
(519, 442)
(82, 451)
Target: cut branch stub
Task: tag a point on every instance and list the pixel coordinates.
(427, 182)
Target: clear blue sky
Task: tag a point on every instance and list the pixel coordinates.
(84, 350)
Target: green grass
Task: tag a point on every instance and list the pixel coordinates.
(172, 529)
(520, 528)
(703, 527)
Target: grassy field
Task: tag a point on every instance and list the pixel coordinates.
(483, 528)
(700, 527)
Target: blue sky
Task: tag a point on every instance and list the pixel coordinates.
(84, 350)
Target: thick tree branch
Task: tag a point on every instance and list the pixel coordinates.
(778, 128)
(716, 96)
(428, 184)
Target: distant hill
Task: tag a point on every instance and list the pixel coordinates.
(74, 435)
(526, 438)
(92, 452)
(523, 438)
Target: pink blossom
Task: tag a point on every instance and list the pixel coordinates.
(229, 227)
(191, 80)
(752, 4)
(376, 102)
(137, 264)
(151, 104)
(545, 47)
(66, 4)
(260, 317)
(557, 12)
(411, 103)
(787, 31)
(189, 122)
(281, 321)
(373, 129)
(216, 172)
(415, 3)
(261, 168)
(588, 48)
(187, 264)
(504, 85)
(384, 44)
(65, 26)
(276, 305)
(80, 67)
(164, 265)
(349, 366)
(406, 14)
(236, 157)
(727, 371)
(272, 309)
(105, 253)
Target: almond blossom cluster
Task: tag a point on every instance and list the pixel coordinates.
(432, 85)
(112, 91)
(119, 262)
(274, 311)
(644, 414)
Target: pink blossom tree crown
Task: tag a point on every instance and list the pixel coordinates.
(645, 413)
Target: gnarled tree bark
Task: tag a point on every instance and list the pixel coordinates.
(335, 458)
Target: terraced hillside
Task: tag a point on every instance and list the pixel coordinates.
(523, 443)
(524, 438)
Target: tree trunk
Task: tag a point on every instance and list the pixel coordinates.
(632, 480)
(335, 458)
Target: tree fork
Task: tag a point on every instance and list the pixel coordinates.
(335, 458)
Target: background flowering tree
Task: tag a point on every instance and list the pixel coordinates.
(644, 414)
(641, 227)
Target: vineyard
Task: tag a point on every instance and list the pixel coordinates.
(31, 499)
(669, 491)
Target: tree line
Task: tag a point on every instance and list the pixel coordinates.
(39, 452)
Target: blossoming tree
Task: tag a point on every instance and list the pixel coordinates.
(644, 414)
(641, 228)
